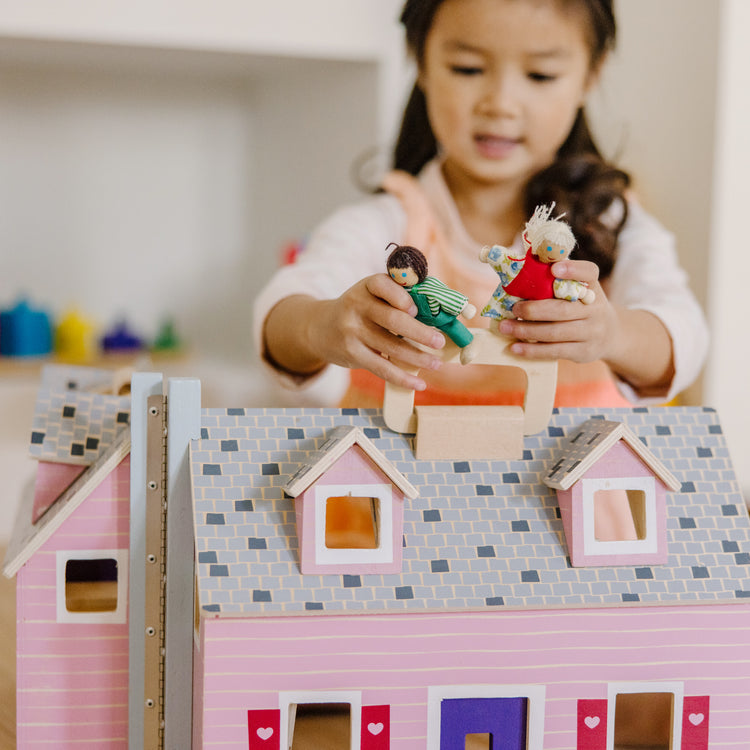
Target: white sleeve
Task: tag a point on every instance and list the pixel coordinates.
(648, 276)
(345, 248)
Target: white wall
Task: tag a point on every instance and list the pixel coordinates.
(674, 108)
(727, 376)
(655, 114)
(154, 164)
(150, 193)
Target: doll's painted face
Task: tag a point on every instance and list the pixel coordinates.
(404, 276)
(551, 252)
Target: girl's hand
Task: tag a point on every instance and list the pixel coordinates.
(558, 329)
(366, 327)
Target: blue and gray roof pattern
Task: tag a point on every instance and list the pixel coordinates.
(481, 534)
(75, 420)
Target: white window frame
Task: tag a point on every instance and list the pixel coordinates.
(383, 553)
(591, 545)
(677, 689)
(117, 616)
(534, 694)
(288, 699)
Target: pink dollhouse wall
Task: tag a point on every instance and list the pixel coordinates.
(73, 677)
(393, 660)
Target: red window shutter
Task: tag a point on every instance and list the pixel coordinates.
(263, 729)
(376, 728)
(592, 724)
(695, 722)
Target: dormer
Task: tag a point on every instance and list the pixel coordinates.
(612, 494)
(349, 507)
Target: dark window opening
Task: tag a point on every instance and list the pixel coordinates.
(643, 721)
(91, 585)
(320, 725)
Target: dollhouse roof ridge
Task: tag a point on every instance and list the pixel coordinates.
(481, 535)
(28, 537)
(589, 442)
(337, 442)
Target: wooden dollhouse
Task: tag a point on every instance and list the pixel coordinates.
(488, 629)
(455, 613)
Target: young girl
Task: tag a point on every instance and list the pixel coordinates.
(494, 127)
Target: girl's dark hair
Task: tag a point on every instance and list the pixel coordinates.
(580, 181)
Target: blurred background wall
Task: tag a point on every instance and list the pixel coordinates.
(155, 161)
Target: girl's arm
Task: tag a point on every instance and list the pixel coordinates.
(363, 328)
(634, 343)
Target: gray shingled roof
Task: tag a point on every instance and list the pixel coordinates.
(74, 421)
(481, 535)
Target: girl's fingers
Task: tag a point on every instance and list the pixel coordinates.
(548, 333)
(402, 325)
(401, 367)
(385, 288)
(398, 349)
(576, 270)
(394, 315)
(387, 370)
(545, 310)
(575, 352)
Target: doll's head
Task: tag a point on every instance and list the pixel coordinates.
(550, 240)
(406, 265)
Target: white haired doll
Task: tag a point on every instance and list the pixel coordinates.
(548, 240)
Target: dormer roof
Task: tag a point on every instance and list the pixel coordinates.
(338, 441)
(587, 444)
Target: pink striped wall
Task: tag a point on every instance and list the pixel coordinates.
(72, 684)
(393, 659)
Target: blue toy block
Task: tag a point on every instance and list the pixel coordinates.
(25, 332)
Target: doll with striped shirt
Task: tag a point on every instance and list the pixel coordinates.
(437, 304)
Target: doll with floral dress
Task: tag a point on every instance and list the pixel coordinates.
(530, 277)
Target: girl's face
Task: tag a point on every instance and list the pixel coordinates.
(504, 80)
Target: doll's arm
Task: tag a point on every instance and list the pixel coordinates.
(497, 256)
(573, 291)
(442, 297)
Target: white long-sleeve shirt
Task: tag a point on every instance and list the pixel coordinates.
(350, 245)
